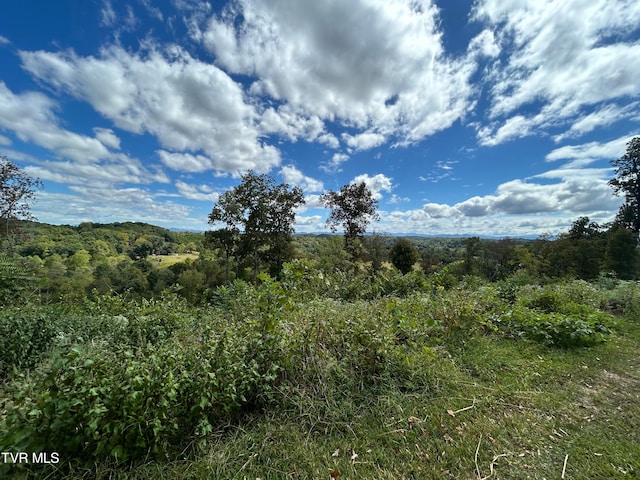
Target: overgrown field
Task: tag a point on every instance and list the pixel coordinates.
(315, 377)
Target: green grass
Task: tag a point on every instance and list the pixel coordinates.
(514, 408)
(468, 407)
(163, 261)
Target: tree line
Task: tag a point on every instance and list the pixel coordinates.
(253, 232)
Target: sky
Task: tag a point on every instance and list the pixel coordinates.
(487, 117)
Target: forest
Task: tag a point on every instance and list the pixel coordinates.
(131, 351)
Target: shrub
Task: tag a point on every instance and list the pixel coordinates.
(94, 402)
(554, 329)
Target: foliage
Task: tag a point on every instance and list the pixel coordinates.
(115, 380)
(17, 190)
(403, 255)
(14, 277)
(554, 329)
(258, 217)
(354, 207)
(627, 181)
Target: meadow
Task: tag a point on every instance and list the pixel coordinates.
(347, 375)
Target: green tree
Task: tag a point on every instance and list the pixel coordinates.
(403, 255)
(226, 239)
(622, 252)
(627, 181)
(17, 190)
(376, 246)
(261, 214)
(354, 208)
(581, 251)
(471, 256)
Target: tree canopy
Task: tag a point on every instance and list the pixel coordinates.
(403, 255)
(17, 190)
(258, 218)
(354, 208)
(627, 182)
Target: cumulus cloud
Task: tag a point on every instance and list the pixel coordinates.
(107, 137)
(295, 177)
(372, 65)
(363, 141)
(333, 165)
(87, 203)
(563, 61)
(377, 184)
(189, 105)
(31, 117)
(197, 192)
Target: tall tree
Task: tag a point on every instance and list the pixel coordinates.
(627, 181)
(354, 208)
(403, 255)
(17, 190)
(261, 214)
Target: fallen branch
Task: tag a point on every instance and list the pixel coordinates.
(476, 459)
(564, 467)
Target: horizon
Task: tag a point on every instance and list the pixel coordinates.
(484, 119)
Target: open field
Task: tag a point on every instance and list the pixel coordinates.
(171, 259)
(274, 382)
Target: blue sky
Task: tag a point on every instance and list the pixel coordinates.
(493, 117)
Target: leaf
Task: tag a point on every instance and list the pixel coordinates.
(354, 455)
(335, 474)
(451, 412)
(336, 453)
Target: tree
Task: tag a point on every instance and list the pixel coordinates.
(403, 255)
(17, 189)
(260, 214)
(375, 246)
(622, 253)
(354, 207)
(627, 181)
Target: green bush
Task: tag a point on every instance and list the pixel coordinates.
(554, 329)
(95, 402)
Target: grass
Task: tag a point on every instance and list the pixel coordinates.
(164, 261)
(497, 408)
(471, 407)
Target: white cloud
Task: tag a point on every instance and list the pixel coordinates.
(377, 184)
(107, 137)
(396, 199)
(333, 165)
(87, 203)
(601, 117)
(436, 210)
(190, 106)
(363, 141)
(589, 152)
(5, 141)
(4, 40)
(185, 162)
(196, 192)
(152, 11)
(484, 44)
(370, 65)
(295, 177)
(108, 17)
(563, 62)
(30, 116)
(121, 170)
(293, 125)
